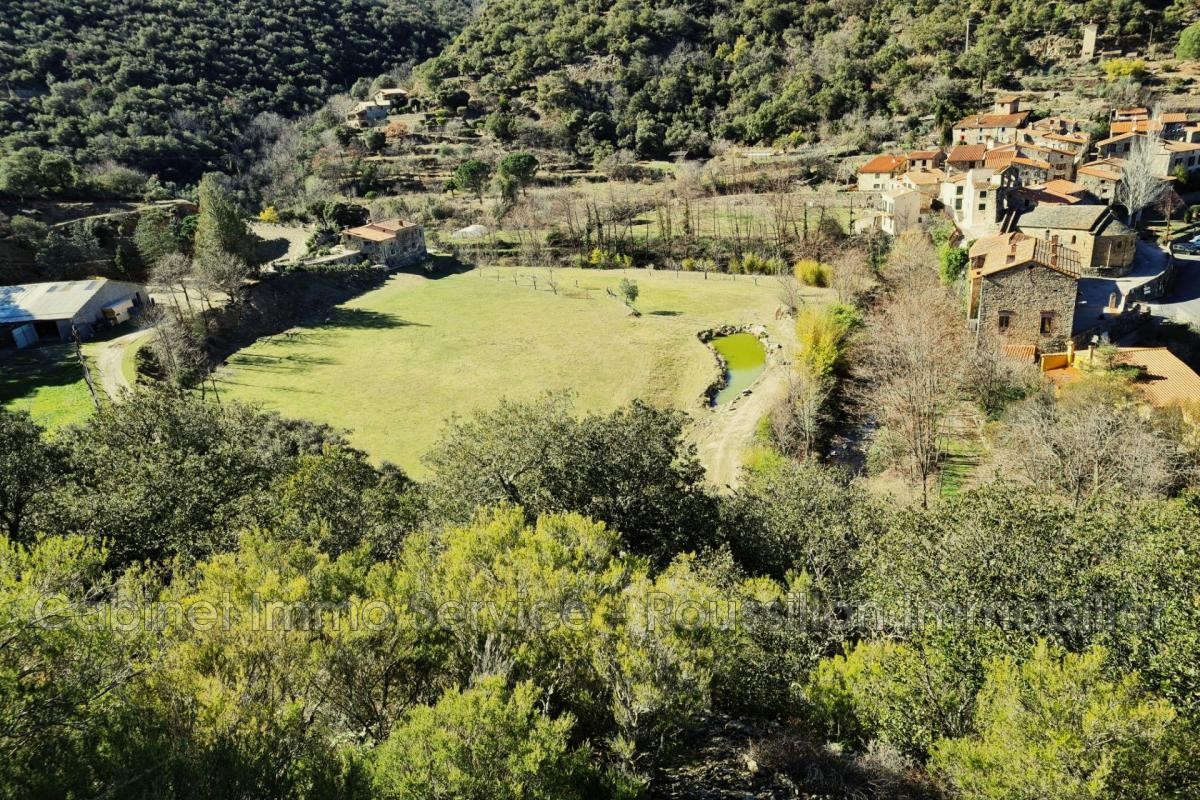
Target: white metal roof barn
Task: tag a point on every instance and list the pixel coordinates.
(50, 310)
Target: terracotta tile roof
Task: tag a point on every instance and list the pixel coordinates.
(1166, 380)
(920, 155)
(1071, 138)
(1119, 137)
(1173, 117)
(1033, 162)
(1060, 186)
(999, 158)
(1026, 353)
(1109, 169)
(992, 254)
(966, 152)
(383, 231)
(925, 177)
(993, 120)
(1180, 147)
(883, 164)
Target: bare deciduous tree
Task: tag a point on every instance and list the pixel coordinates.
(912, 360)
(1089, 441)
(1141, 184)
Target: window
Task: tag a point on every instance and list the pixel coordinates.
(983, 206)
(1047, 327)
(1072, 238)
(1004, 321)
(958, 204)
(958, 190)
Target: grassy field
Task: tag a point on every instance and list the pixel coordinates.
(47, 383)
(392, 365)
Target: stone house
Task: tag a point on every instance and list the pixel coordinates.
(1100, 177)
(998, 127)
(1106, 246)
(368, 114)
(392, 243)
(964, 157)
(1022, 292)
(926, 159)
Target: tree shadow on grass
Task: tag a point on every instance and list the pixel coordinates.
(664, 313)
(24, 372)
(365, 319)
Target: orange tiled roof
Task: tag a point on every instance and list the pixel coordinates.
(1026, 353)
(967, 152)
(993, 120)
(886, 163)
(1165, 380)
(1061, 186)
(379, 231)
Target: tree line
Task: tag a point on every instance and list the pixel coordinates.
(203, 599)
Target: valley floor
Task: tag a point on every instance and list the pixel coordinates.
(392, 365)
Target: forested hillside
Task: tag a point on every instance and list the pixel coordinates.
(166, 86)
(661, 76)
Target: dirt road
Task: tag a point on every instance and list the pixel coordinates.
(724, 434)
(108, 360)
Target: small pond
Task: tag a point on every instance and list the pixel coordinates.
(745, 359)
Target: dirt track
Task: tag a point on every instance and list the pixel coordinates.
(723, 435)
(108, 364)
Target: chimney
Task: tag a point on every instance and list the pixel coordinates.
(1070, 352)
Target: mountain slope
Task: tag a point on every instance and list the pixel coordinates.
(166, 85)
(661, 75)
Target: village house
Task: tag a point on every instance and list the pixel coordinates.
(998, 127)
(392, 243)
(1022, 292)
(1105, 245)
(1173, 158)
(1117, 146)
(973, 200)
(901, 210)
(926, 159)
(1061, 162)
(927, 182)
(55, 311)
(881, 173)
(368, 114)
(965, 157)
(1055, 192)
(1101, 177)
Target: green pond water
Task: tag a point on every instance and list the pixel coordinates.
(745, 359)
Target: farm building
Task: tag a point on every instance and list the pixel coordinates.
(34, 311)
(392, 242)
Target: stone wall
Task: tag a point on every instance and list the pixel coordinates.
(1026, 292)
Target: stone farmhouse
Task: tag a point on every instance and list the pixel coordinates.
(393, 243)
(1022, 293)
